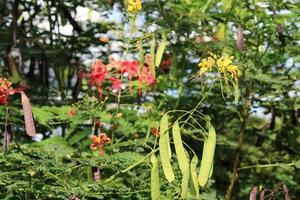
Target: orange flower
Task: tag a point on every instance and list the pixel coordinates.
(99, 142)
(155, 132)
(103, 39)
(6, 90)
(72, 112)
(119, 115)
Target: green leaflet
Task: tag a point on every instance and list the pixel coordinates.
(180, 152)
(160, 50)
(194, 178)
(164, 149)
(155, 188)
(185, 183)
(207, 157)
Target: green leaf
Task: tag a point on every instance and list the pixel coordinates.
(160, 50)
(226, 5)
(155, 188)
(55, 146)
(180, 152)
(207, 157)
(297, 164)
(165, 150)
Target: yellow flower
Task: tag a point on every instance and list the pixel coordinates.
(134, 6)
(212, 55)
(223, 62)
(206, 64)
(233, 70)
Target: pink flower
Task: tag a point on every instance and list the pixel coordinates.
(116, 84)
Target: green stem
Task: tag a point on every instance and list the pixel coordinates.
(266, 165)
(131, 166)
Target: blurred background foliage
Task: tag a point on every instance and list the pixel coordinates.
(45, 44)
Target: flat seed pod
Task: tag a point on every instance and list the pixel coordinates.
(262, 195)
(28, 118)
(211, 171)
(155, 188)
(220, 34)
(164, 149)
(164, 130)
(253, 193)
(207, 157)
(160, 50)
(185, 183)
(141, 56)
(152, 54)
(240, 38)
(236, 93)
(194, 178)
(286, 192)
(180, 152)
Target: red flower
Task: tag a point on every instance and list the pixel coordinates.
(116, 84)
(98, 75)
(99, 142)
(165, 64)
(145, 78)
(97, 124)
(130, 68)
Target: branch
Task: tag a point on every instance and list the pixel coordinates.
(72, 21)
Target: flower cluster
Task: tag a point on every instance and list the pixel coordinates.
(222, 63)
(134, 6)
(5, 90)
(117, 72)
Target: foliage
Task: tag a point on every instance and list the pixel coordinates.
(178, 87)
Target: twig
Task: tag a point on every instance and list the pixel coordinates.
(236, 162)
(266, 165)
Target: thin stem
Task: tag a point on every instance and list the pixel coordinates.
(266, 165)
(131, 166)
